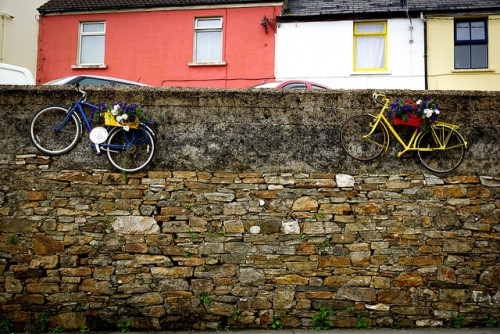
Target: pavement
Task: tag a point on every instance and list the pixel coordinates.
(342, 331)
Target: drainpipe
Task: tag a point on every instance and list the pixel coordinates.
(426, 79)
(4, 17)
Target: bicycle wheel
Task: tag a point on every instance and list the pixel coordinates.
(47, 138)
(132, 150)
(444, 158)
(353, 142)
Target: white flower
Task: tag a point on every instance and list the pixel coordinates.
(124, 116)
(419, 101)
(428, 113)
(126, 128)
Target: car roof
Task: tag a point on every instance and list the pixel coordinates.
(74, 78)
(276, 83)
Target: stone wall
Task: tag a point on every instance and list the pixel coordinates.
(257, 130)
(200, 241)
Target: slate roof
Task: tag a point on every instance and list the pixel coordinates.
(57, 6)
(342, 8)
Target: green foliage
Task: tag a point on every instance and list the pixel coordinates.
(6, 325)
(236, 313)
(124, 176)
(124, 326)
(491, 323)
(12, 239)
(193, 235)
(187, 206)
(223, 328)
(57, 329)
(324, 244)
(278, 322)
(321, 321)
(205, 299)
(361, 322)
(302, 236)
(43, 321)
(457, 321)
(84, 330)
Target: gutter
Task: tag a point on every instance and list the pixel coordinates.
(426, 73)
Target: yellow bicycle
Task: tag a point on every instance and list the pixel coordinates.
(441, 148)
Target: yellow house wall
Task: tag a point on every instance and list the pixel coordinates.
(440, 58)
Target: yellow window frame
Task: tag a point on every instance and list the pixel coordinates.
(356, 34)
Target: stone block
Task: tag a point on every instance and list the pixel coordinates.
(135, 225)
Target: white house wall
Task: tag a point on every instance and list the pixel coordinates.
(323, 52)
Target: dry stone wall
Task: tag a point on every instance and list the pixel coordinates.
(257, 245)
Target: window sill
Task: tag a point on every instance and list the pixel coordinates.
(207, 63)
(474, 70)
(371, 73)
(77, 67)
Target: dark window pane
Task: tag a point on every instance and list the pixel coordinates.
(94, 81)
(479, 56)
(462, 56)
(296, 85)
(317, 87)
(463, 31)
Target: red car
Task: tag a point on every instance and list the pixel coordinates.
(298, 84)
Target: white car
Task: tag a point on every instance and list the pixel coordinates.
(15, 75)
(93, 80)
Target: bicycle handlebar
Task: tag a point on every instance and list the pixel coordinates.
(383, 100)
(81, 91)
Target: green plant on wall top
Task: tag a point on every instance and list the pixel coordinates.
(321, 321)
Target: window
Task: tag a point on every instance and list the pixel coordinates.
(370, 46)
(91, 43)
(296, 85)
(208, 40)
(471, 44)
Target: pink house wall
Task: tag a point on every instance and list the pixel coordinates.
(157, 47)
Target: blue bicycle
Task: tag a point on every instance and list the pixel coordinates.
(56, 130)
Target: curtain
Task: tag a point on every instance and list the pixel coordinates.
(370, 50)
(208, 46)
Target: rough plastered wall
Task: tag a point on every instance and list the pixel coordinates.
(250, 215)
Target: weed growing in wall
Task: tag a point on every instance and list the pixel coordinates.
(321, 321)
(124, 326)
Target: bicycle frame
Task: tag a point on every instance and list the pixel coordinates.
(411, 145)
(78, 106)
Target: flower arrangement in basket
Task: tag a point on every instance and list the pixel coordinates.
(420, 113)
(124, 115)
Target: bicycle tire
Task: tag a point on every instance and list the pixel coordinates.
(351, 137)
(441, 160)
(138, 155)
(50, 141)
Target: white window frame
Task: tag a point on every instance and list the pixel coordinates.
(198, 29)
(81, 34)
